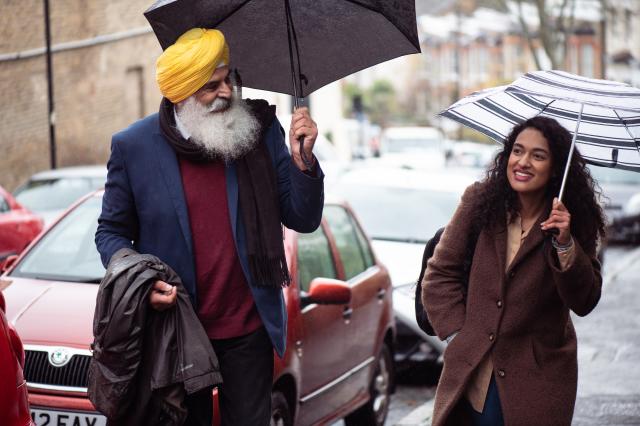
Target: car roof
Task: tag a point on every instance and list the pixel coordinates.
(72, 172)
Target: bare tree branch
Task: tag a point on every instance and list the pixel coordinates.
(547, 33)
(527, 35)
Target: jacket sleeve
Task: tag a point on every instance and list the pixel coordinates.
(580, 285)
(301, 196)
(118, 222)
(442, 291)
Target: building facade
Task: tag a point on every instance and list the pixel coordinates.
(623, 41)
(103, 65)
(464, 53)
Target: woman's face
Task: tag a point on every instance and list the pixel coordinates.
(529, 166)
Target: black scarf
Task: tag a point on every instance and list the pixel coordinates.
(258, 194)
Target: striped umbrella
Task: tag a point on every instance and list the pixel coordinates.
(603, 115)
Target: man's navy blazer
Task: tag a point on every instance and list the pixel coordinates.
(144, 209)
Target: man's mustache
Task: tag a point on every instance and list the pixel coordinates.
(219, 104)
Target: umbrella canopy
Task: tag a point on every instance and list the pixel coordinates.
(603, 115)
(324, 40)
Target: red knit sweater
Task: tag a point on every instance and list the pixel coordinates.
(225, 304)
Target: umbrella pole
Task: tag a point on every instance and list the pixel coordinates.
(297, 82)
(573, 147)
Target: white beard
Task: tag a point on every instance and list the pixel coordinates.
(226, 133)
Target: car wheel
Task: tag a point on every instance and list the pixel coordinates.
(280, 413)
(375, 411)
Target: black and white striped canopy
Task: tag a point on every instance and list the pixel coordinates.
(608, 132)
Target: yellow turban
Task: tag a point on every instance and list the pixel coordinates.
(189, 63)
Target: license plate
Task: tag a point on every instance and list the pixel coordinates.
(66, 418)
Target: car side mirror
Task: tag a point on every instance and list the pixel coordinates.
(327, 291)
(8, 263)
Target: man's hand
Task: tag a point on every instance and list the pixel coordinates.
(302, 125)
(163, 296)
(559, 218)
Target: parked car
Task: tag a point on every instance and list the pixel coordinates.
(414, 147)
(18, 226)
(340, 335)
(401, 209)
(621, 203)
(618, 186)
(14, 406)
(625, 228)
(51, 192)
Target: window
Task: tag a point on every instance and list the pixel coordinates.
(314, 258)
(356, 258)
(587, 60)
(4, 206)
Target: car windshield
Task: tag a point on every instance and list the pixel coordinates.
(606, 175)
(399, 213)
(55, 194)
(67, 252)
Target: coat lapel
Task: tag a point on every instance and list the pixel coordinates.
(500, 245)
(531, 242)
(170, 171)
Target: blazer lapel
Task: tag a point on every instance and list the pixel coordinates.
(232, 196)
(170, 171)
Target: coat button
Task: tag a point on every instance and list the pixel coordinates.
(501, 373)
(491, 337)
(512, 274)
(499, 303)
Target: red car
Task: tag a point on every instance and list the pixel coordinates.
(18, 226)
(14, 407)
(338, 362)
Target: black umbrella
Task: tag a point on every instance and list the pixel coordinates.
(295, 46)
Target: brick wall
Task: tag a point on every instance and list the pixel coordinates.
(98, 90)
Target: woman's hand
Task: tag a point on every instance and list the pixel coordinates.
(559, 218)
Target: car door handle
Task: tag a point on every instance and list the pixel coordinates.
(381, 293)
(347, 312)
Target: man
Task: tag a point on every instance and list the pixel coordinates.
(205, 185)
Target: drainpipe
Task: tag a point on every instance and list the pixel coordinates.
(52, 112)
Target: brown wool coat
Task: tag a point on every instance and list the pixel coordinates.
(520, 318)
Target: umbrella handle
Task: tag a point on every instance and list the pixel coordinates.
(297, 103)
(305, 159)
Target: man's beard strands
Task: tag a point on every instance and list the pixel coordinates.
(225, 129)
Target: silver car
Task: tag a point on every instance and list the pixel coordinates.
(51, 192)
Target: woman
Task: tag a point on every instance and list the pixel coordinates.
(512, 355)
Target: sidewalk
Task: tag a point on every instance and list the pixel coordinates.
(608, 352)
(609, 348)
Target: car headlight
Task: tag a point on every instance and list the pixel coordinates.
(632, 207)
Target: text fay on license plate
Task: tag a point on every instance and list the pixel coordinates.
(66, 418)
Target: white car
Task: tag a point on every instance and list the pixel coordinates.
(401, 209)
(51, 192)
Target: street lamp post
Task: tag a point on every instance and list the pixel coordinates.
(52, 113)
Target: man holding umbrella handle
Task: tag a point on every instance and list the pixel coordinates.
(205, 185)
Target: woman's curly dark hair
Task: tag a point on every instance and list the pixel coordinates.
(580, 196)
